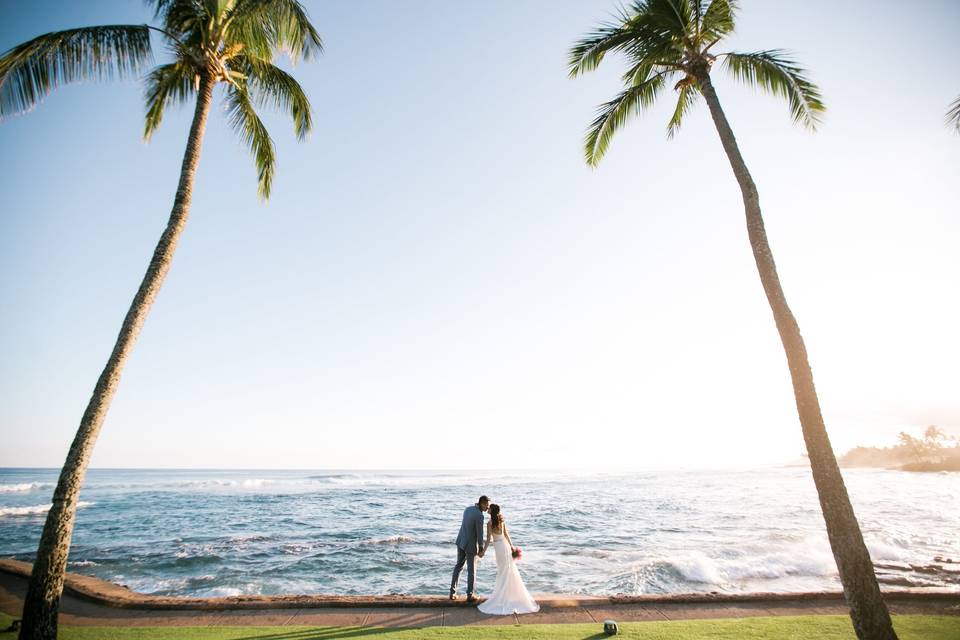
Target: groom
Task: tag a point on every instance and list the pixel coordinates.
(469, 546)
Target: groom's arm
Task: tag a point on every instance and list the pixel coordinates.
(479, 525)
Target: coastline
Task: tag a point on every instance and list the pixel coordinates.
(115, 596)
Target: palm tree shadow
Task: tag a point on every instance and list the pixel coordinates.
(332, 633)
(322, 633)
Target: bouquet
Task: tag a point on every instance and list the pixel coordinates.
(517, 553)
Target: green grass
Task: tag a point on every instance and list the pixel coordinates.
(779, 628)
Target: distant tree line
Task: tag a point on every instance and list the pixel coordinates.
(934, 451)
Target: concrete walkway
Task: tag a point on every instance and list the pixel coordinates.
(92, 602)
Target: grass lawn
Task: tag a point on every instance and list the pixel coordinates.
(779, 628)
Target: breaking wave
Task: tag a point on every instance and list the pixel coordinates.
(35, 509)
(389, 540)
(24, 487)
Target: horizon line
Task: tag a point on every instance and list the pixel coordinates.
(432, 469)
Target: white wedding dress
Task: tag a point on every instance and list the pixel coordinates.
(509, 594)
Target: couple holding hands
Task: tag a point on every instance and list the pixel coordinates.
(509, 593)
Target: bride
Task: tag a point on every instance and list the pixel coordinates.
(509, 595)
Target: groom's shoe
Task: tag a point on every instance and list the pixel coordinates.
(471, 599)
(453, 596)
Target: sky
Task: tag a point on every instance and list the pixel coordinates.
(440, 282)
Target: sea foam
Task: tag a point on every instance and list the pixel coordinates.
(34, 510)
(24, 487)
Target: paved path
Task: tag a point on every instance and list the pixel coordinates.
(77, 608)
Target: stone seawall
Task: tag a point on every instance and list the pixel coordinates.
(108, 594)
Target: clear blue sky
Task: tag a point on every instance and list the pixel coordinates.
(439, 280)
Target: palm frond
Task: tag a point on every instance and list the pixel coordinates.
(776, 72)
(669, 15)
(696, 10)
(164, 7)
(658, 51)
(271, 86)
(245, 122)
(186, 22)
(264, 25)
(215, 7)
(719, 20)
(611, 116)
(953, 115)
(30, 71)
(167, 84)
(646, 40)
(587, 54)
(642, 68)
(686, 99)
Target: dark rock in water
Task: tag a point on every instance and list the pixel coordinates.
(930, 569)
(904, 574)
(896, 566)
(902, 581)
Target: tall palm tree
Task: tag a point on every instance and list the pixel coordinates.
(229, 42)
(953, 115)
(670, 43)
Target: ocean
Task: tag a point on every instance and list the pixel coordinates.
(217, 532)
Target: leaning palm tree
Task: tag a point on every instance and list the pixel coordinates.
(229, 42)
(953, 115)
(670, 43)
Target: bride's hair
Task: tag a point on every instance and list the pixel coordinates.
(496, 520)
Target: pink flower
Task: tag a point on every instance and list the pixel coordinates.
(517, 553)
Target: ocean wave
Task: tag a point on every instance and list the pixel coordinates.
(728, 573)
(84, 563)
(256, 537)
(294, 548)
(812, 563)
(195, 556)
(602, 554)
(244, 483)
(24, 486)
(697, 567)
(212, 483)
(221, 592)
(151, 585)
(35, 509)
(389, 540)
(438, 479)
(325, 481)
(347, 480)
(888, 551)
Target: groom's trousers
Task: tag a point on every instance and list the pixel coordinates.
(471, 561)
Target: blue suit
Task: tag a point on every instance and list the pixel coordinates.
(469, 544)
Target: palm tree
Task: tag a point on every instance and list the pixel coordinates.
(671, 42)
(953, 115)
(212, 41)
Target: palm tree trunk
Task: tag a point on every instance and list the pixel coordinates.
(871, 620)
(42, 602)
